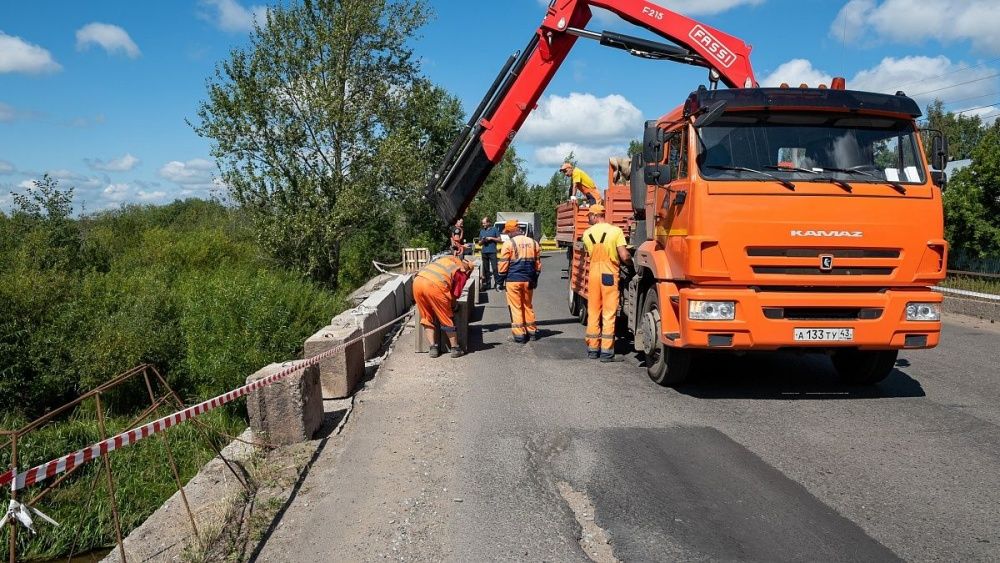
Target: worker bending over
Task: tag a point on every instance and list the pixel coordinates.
(520, 265)
(582, 183)
(606, 245)
(434, 293)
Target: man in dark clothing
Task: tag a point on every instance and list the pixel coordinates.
(489, 236)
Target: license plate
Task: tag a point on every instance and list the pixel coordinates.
(824, 334)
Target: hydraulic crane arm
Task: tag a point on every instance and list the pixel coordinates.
(526, 74)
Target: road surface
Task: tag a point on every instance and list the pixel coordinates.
(532, 452)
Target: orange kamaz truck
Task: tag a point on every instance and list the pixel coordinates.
(758, 218)
(777, 218)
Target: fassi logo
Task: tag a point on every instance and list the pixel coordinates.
(719, 51)
(849, 234)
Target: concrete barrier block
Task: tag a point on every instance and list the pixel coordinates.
(340, 373)
(378, 309)
(408, 290)
(289, 410)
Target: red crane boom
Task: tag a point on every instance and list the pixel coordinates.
(526, 74)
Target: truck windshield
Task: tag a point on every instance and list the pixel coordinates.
(808, 146)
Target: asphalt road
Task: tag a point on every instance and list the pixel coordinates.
(532, 452)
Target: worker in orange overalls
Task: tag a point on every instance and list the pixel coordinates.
(519, 265)
(433, 293)
(582, 182)
(607, 248)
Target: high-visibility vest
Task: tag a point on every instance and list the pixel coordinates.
(441, 271)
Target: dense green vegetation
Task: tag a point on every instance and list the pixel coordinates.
(972, 197)
(183, 286)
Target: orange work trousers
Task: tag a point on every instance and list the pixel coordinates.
(434, 304)
(522, 312)
(602, 310)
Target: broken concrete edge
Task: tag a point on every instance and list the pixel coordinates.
(289, 410)
(980, 309)
(167, 533)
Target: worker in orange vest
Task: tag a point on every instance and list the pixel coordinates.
(433, 292)
(582, 182)
(520, 264)
(605, 243)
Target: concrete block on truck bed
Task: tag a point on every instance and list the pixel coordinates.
(289, 410)
(341, 372)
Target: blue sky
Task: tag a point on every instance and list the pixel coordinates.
(97, 94)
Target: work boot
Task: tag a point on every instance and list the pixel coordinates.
(608, 358)
(533, 336)
(593, 355)
(434, 351)
(457, 352)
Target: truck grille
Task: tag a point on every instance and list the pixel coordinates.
(822, 313)
(805, 271)
(805, 261)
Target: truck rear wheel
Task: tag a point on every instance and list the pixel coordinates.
(665, 365)
(574, 303)
(864, 367)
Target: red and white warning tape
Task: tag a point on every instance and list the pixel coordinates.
(44, 471)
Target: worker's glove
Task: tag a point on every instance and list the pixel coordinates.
(502, 283)
(534, 282)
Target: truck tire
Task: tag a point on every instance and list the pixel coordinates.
(665, 365)
(582, 313)
(574, 303)
(864, 367)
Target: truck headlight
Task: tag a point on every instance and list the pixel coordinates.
(923, 311)
(711, 310)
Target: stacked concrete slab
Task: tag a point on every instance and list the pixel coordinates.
(341, 372)
(289, 410)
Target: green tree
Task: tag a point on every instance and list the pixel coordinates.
(324, 130)
(505, 189)
(972, 200)
(962, 131)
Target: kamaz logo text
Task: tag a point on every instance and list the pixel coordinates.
(848, 234)
(656, 15)
(719, 51)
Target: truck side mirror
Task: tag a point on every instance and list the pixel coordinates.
(652, 154)
(652, 143)
(939, 151)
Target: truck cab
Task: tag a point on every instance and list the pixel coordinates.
(786, 218)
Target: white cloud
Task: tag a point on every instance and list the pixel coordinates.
(17, 55)
(6, 167)
(912, 21)
(582, 116)
(230, 15)
(111, 38)
(923, 78)
(81, 122)
(73, 179)
(116, 192)
(125, 163)
(151, 196)
(195, 174)
(25, 184)
(7, 113)
(795, 72)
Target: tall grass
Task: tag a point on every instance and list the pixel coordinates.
(183, 287)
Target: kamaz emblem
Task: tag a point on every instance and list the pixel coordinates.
(848, 234)
(826, 262)
(715, 47)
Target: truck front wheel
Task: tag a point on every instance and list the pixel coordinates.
(665, 365)
(864, 367)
